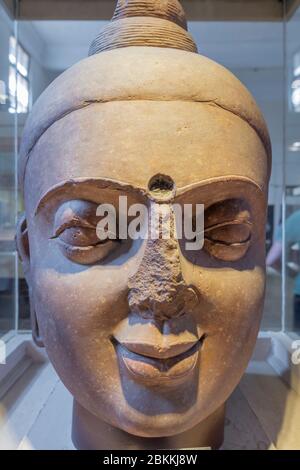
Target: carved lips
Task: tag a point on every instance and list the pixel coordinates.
(158, 353)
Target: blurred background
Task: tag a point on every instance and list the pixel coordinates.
(259, 41)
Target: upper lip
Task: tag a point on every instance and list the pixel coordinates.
(144, 337)
(162, 351)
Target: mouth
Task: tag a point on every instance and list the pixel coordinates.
(155, 357)
(147, 368)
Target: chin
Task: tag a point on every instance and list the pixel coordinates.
(160, 425)
(163, 426)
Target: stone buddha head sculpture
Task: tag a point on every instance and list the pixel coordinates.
(149, 337)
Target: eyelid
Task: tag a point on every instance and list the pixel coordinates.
(78, 222)
(224, 243)
(229, 222)
(86, 255)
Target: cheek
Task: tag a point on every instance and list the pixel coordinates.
(229, 298)
(76, 315)
(230, 306)
(229, 312)
(77, 308)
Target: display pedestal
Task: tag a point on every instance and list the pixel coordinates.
(91, 433)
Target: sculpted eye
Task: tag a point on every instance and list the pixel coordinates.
(228, 228)
(228, 242)
(229, 233)
(75, 231)
(79, 236)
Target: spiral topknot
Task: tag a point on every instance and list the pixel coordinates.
(158, 23)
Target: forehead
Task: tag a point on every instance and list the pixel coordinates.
(131, 141)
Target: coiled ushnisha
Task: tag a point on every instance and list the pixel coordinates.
(145, 23)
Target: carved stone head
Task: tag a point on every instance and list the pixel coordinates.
(149, 337)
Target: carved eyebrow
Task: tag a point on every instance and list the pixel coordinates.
(219, 179)
(100, 183)
(104, 183)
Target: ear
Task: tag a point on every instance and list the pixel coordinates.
(22, 244)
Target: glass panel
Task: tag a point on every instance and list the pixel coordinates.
(7, 176)
(12, 50)
(291, 235)
(35, 73)
(23, 61)
(12, 89)
(256, 59)
(22, 94)
(18, 84)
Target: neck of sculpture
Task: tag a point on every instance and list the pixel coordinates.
(91, 433)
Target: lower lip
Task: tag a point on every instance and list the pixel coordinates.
(148, 369)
